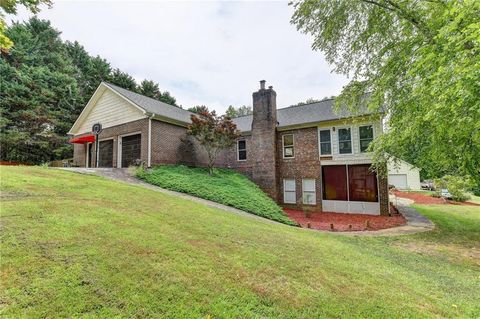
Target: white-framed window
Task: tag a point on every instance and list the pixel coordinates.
(325, 138)
(289, 191)
(365, 132)
(288, 146)
(241, 150)
(345, 140)
(308, 191)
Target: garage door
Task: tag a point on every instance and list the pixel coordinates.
(131, 146)
(105, 157)
(398, 180)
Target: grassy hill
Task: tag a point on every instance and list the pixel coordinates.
(225, 186)
(75, 245)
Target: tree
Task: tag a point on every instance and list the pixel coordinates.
(214, 133)
(165, 97)
(198, 109)
(150, 89)
(240, 111)
(10, 7)
(123, 80)
(418, 61)
(39, 95)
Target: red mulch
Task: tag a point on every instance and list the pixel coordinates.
(8, 163)
(428, 199)
(342, 221)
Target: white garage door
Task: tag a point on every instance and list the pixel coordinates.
(398, 180)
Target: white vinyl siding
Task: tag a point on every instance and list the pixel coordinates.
(289, 191)
(308, 191)
(110, 110)
(356, 157)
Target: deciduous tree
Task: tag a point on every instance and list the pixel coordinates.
(419, 61)
(214, 133)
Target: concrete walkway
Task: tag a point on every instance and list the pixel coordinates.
(415, 222)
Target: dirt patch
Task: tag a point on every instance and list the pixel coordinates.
(345, 222)
(430, 200)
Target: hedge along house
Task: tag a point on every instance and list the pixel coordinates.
(299, 155)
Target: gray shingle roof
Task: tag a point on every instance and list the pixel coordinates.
(154, 106)
(289, 116)
(302, 114)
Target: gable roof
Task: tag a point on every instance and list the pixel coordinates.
(289, 116)
(302, 115)
(153, 106)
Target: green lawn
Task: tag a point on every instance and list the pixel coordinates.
(83, 246)
(225, 186)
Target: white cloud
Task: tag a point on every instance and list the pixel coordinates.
(211, 53)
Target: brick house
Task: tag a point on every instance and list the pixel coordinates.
(299, 155)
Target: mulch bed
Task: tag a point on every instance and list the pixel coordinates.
(344, 221)
(428, 199)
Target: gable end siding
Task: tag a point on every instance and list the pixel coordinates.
(110, 110)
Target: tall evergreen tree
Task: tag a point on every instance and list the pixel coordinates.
(123, 80)
(45, 83)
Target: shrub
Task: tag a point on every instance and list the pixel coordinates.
(457, 186)
(224, 186)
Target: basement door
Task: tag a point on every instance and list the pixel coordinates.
(131, 147)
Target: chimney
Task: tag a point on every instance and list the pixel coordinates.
(262, 84)
(263, 141)
(265, 107)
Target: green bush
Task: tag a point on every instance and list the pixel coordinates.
(457, 186)
(225, 186)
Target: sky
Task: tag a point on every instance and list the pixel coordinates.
(203, 52)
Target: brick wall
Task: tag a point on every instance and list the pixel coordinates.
(79, 153)
(305, 164)
(141, 126)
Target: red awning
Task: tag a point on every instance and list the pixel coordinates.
(83, 139)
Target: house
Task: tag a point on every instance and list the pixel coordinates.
(403, 175)
(299, 155)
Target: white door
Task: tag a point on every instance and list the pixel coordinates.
(398, 180)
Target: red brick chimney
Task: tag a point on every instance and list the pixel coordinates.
(264, 139)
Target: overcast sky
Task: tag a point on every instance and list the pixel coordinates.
(204, 53)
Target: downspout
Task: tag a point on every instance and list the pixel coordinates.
(149, 150)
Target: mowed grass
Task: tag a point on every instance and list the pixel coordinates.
(225, 186)
(82, 246)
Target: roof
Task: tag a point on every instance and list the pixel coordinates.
(302, 115)
(289, 116)
(153, 106)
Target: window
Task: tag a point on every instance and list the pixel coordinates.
(308, 188)
(366, 136)
(345, 140)
(289, 193)
(335, 182)
(362, 184)
(288, 146)
(325, 142)
(241, 150)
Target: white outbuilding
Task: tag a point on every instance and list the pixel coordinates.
(403, 175)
